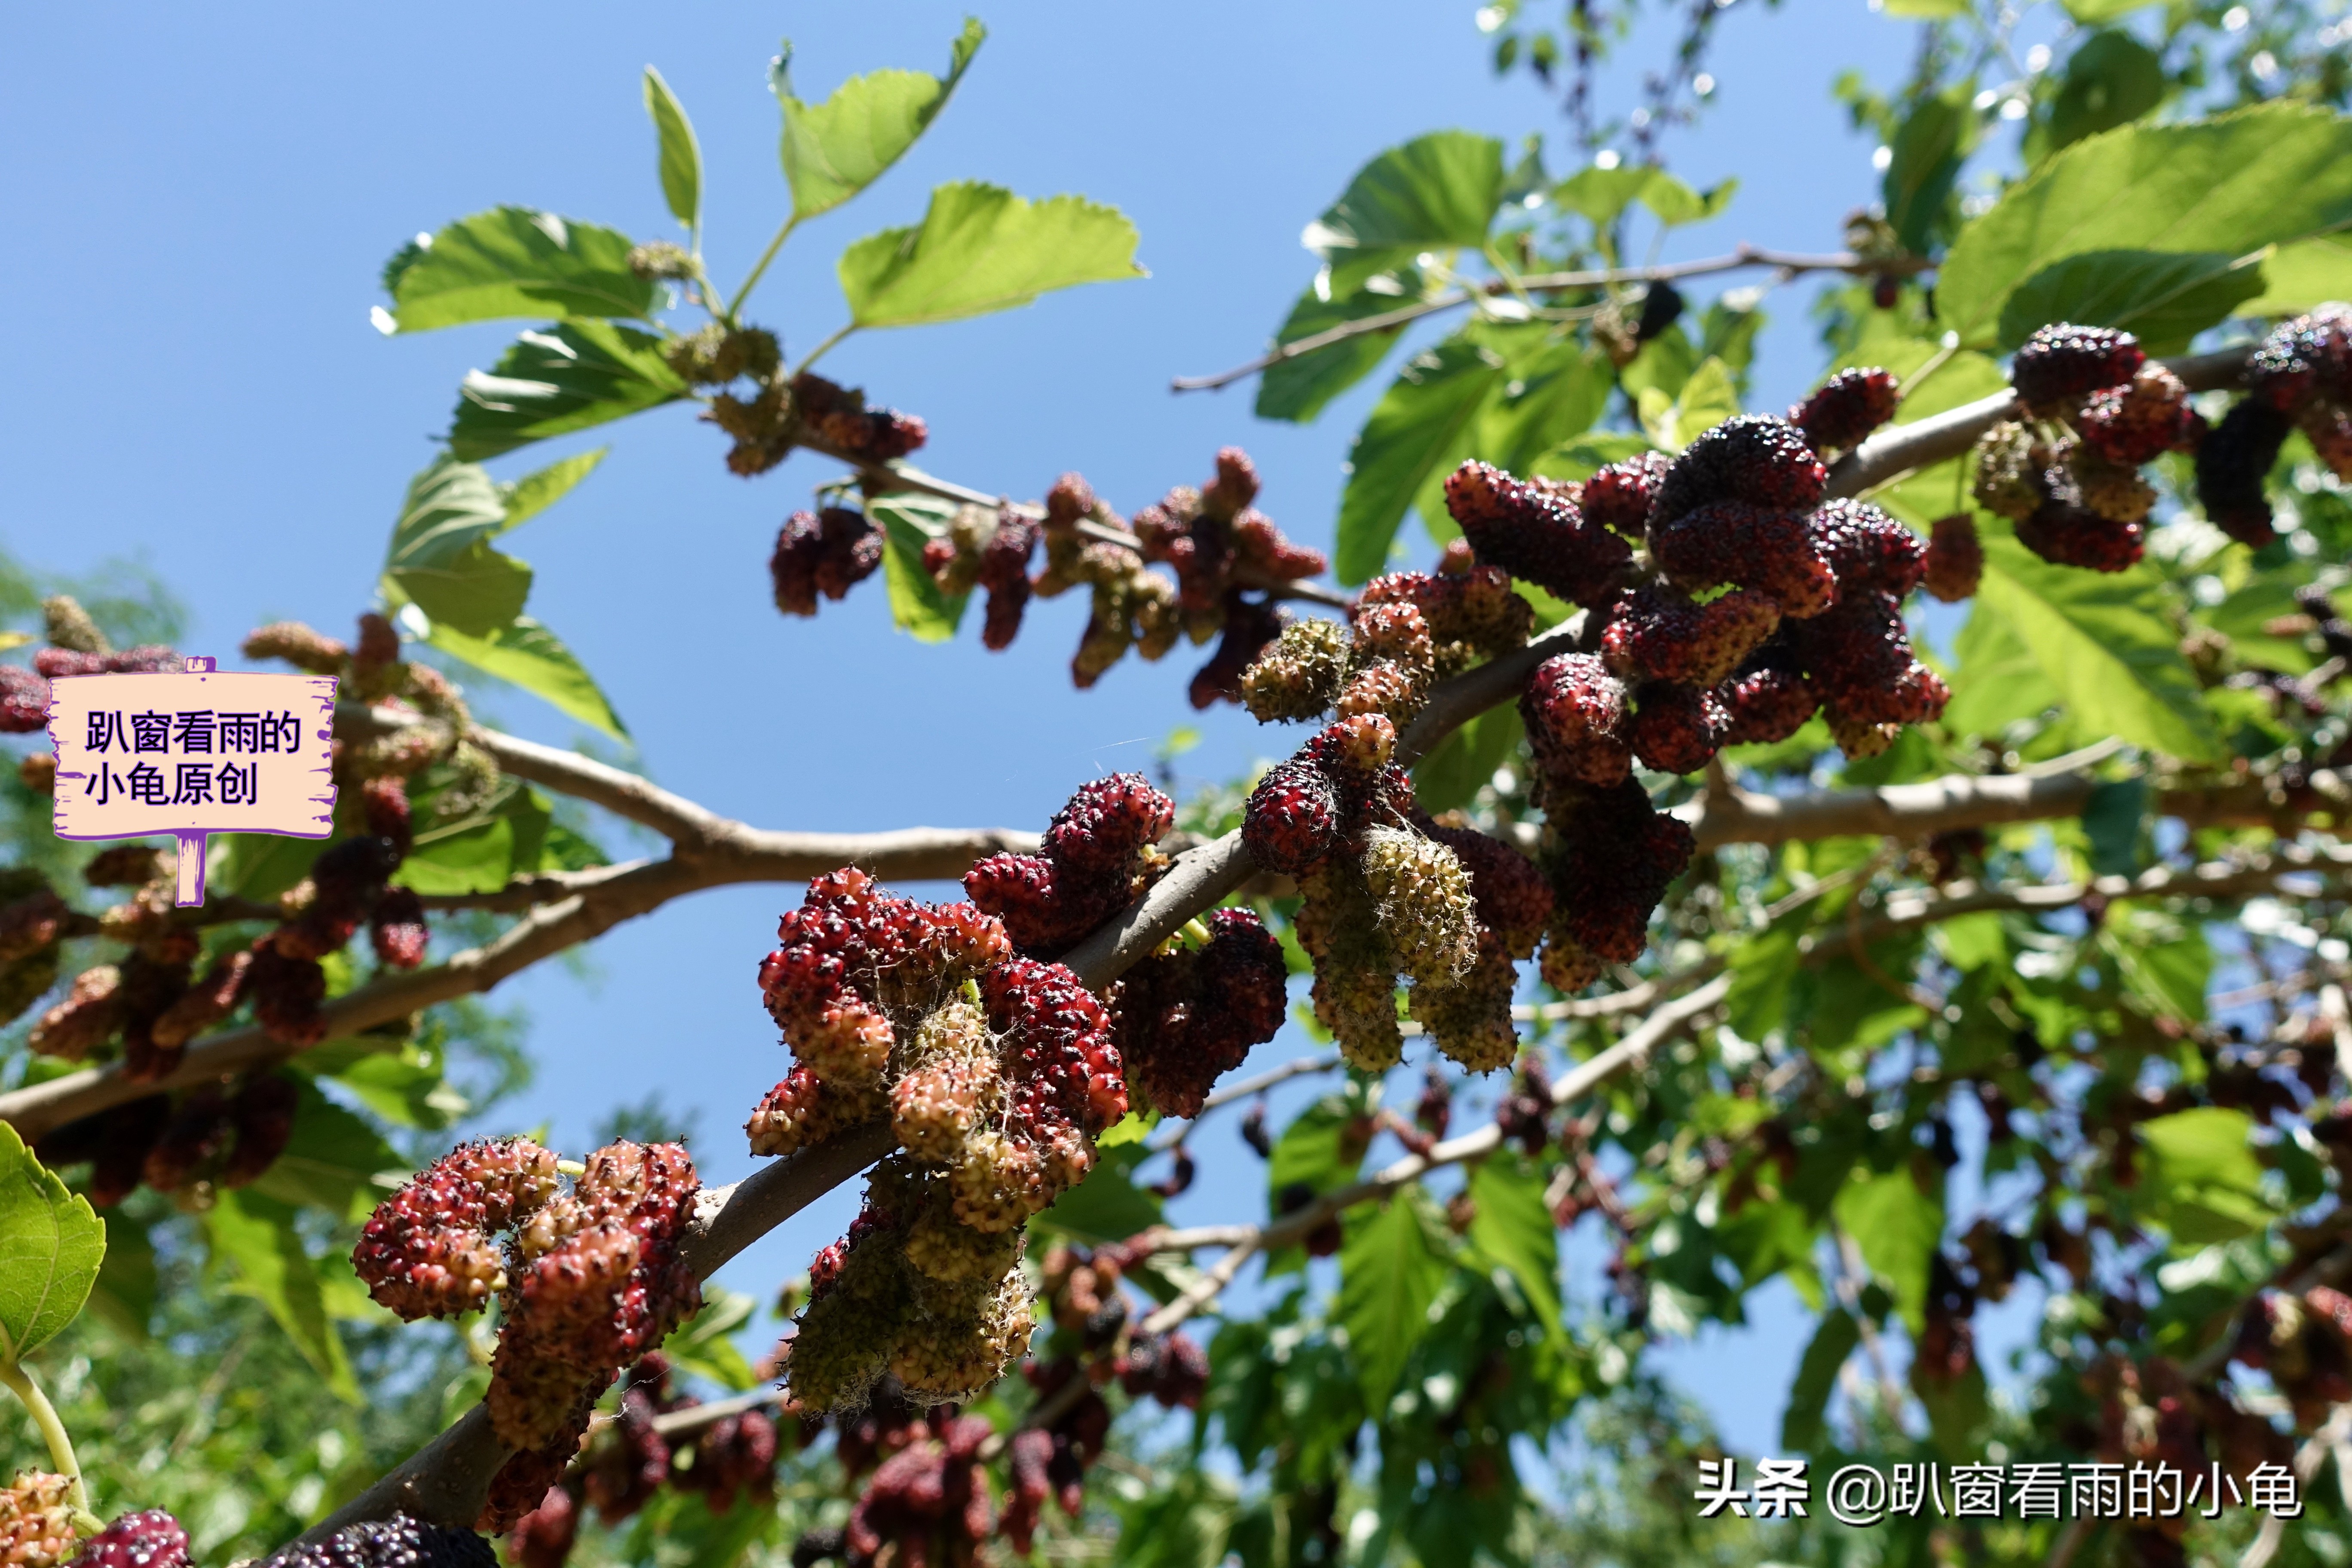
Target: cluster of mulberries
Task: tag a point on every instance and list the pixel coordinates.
(2301, 377)
(209, 1136)
(1848, 407)
(806, 411)
(1381, 896)
(1097, 859)
(1216, 541)
(826, 553)
(1184, 1017)
(996, 1073)
(588, 1281)
(719, 354)
(1406, 631)
(2069, 475)
(400, 1541)
(77, 647)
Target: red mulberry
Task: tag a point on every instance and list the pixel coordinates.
(1955, 559)
(1004, 572)
(1758, 547)
(2071, 536)
(826, 553)
(2232, 466)
(1184, 1019)
(1867, 549)
(1677, 728)
(1250, 626)
(91, 1013)
(288, 995)
(2138, 422)
(838, 417)
(1470, 614)
(2328, 427)
(2060, 365)
(1292, 821)
(1754, 458)
(1859, 657)
(1576, 721)
(1611, 857)
(1619, 496)
(37, 1527)
(1535, 533)
(544, 1537)
(2306, 357)
(23, 700)
(262, 1113)
(192, 1142)
(150, 1540)
(1847, 407)
(397, 928)
(1108, 823)
(1169, 1368)
(1663, 636)
(1768, 701)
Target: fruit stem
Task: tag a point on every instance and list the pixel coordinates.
(572, 1167)
(53, 1432)
(735, 306)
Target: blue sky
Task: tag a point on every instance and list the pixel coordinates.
(197, 205)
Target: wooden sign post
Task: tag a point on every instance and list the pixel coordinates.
(192, 754)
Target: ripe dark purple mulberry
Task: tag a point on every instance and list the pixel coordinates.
(1663, 636)
(2075, 536)
(1859, 657)
(2062, 365)
(2138, 422)
(1611, 857)
(1535, 533)
(397, 927)
(1769, 549)
(1867, 549)
(826, 553)
(2306, 357)
(1755, 458)
(262, 1113)
(399, 1541)
(1847, 407)
(2233, 464)
(1769, 701)
(1108, 823)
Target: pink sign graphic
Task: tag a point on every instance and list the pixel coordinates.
(192, 754)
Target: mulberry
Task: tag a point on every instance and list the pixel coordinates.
(1769, 701)
(192, 1142)
(544, 1537)
(826, 553)
(397, 928)
(150, 1540)
(1107, 824)
(33, 923)
(1513, 901)
(88, 1015)
(733, 1456)
(2062, 365)
(718, 354)
(1769, 550)
(1169, 1368)
(1754, 458)
(1535, 533)
(2068, 535)
(202, 1004)
(288, 995)
(383, 803)
(1611, 857)
(23, 700)
(1250, 626)
(1297, 677)
(68, 625)
(838, 417)
(805, 1109)
(1677, 728)
(1859, 657)
(37, 1528)
(1619, 497)
(1470, 614)
(1183, 1019)
(1469, 1018)
(426, 1253)
(1291, 822)
(2328, 427)
(2232, 466)
(1847, 407)
(1355, 972)
(1867, 549)
(1576, 721)
(1099, 855)
(2117, 494)
(293, 643)
(1955, 559)
(399, 1541)
(1004, 572)
(1422, 899)
(2306, 357)
(2138, 422)
(2010, 466)
(1663, 636)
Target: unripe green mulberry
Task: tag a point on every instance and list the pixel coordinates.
(955, 1358)
(1297, 677)
(68, 625)
(1424, 897)
(661, 258)
(999, 1182)
(1470, 1017)
(299, 645)
(2009, 467)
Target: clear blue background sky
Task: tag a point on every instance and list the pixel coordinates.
(197, 203)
